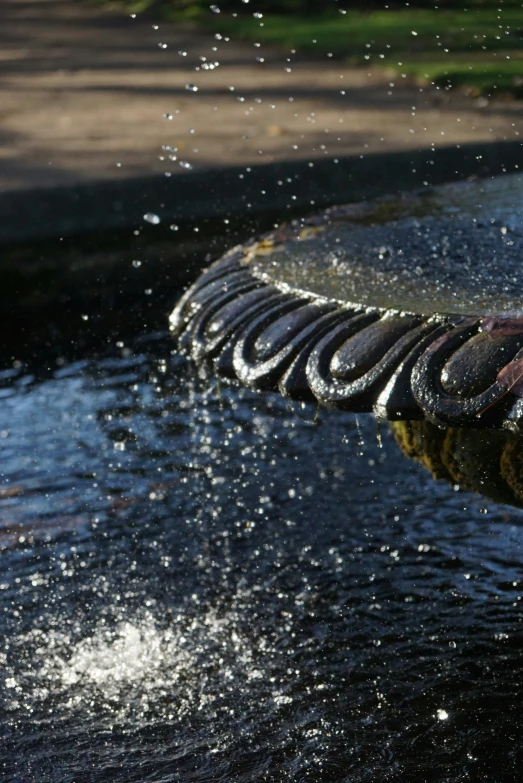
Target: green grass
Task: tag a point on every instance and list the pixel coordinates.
(480, 49)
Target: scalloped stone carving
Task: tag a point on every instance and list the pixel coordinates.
(409, 306)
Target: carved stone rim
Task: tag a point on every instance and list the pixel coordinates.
(449, 369)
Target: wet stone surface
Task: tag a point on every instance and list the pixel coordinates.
(456, 249)
(426, 316)
(474, 367)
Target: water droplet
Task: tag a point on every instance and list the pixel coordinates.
(185, 165)
(442, 714)
(215, 9)
(150, 217)
(191, 88)
(136, 263)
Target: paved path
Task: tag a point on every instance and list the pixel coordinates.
(88, 94)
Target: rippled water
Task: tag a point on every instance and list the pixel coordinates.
(199, 584)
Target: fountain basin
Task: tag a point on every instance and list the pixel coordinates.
(409, 306)
(488, 462)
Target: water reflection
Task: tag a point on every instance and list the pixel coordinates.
(199, 585)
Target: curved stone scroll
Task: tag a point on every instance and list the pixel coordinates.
(411, 307)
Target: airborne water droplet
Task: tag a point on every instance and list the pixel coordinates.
(150, 217)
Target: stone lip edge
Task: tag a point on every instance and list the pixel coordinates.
(509, 320)
(220, 192)
(452, 370)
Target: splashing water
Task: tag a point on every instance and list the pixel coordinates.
(188, 595)
(141, 667)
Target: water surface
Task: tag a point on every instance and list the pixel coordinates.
(200, 584)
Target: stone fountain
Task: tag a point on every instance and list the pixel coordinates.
(407, 306)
